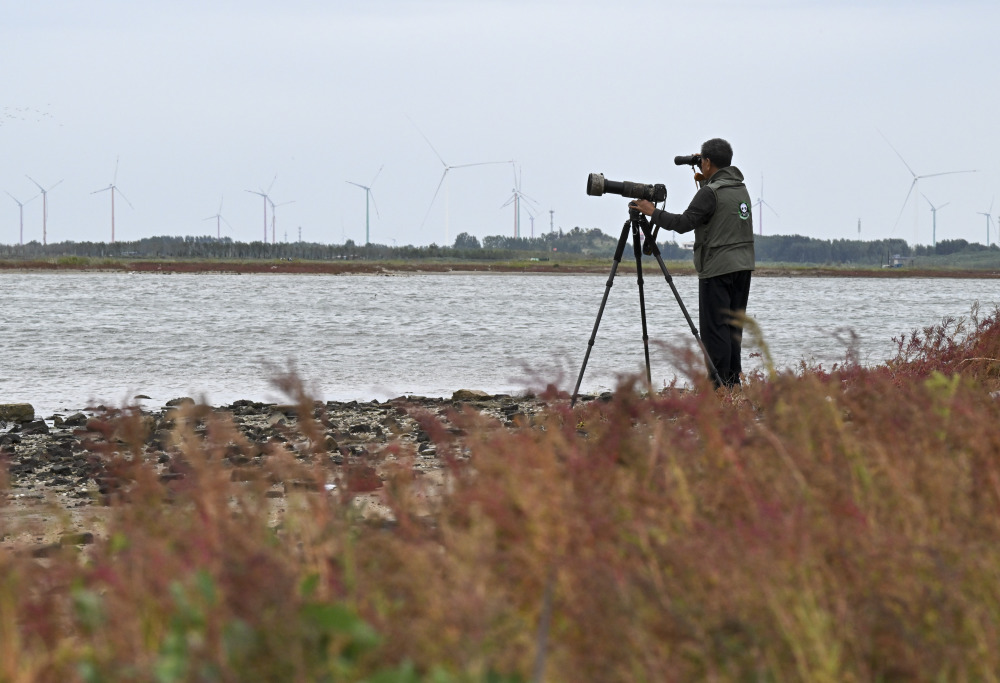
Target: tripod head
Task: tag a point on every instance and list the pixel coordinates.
(639, 220)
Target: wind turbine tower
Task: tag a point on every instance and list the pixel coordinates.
(444, 175)
(218, 220)
(760, 204)
(515, 199)
(274, 219)
(934, 210)
(368, 196)
(989, 220)
(45, 208)
(114, 187)
(263, 193)
(913, 185)
(20, 206)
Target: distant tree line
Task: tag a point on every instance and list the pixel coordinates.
(592, 242)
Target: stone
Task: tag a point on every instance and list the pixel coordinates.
(36, 427)
(179, 401)
(16, 412)
(469, 395)
(75, 420)
(277, 419)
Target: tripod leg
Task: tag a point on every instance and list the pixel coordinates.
(642, 301)
(607, 290)
(713, 373)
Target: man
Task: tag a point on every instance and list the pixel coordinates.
(720, 215)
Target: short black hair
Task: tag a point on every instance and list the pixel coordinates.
(719, 151)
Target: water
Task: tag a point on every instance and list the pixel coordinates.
(73, 339)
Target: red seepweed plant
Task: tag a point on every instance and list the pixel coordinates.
(817, 526)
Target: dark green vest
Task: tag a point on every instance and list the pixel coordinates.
(725, 243)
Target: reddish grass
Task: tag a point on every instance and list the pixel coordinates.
(817, 526)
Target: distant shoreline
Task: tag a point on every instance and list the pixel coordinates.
(419, 268)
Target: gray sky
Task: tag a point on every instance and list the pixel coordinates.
(203, 100)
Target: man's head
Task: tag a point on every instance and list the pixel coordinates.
(715, 154)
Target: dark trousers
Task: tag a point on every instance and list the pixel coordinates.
(719, 298)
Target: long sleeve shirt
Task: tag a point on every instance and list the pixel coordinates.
(698, 213)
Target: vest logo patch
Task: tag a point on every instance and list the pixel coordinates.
(744, 211)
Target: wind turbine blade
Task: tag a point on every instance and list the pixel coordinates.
(255, 192)
(428, 142)
(897, 154)
(372, 195)
(36, 183)
(115, 178)
(103, 189)
(376, 175)
(931, 175)
(431, 205)
(509, 201)
(991, 204)
(480, 163)
(933, 208)
(272, 183)
(209, 218)
(524, 196)
(12, 197)
(120, 194)
(356, 184)
(903, 207)
(770, 207)
(943, 205)
(227, 222)
(220, 204)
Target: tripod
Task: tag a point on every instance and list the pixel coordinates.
(636, 222)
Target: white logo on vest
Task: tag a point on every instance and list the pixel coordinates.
(744, 210)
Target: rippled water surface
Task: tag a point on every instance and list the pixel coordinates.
(72, 338)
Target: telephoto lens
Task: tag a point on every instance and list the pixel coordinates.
(598, 185)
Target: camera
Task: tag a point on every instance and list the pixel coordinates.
(597, 185)
(690, 160)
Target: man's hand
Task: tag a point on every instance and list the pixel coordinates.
(645, 206)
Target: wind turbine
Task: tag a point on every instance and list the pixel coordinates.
(368, 196)
(45, 207)
(444, 175)
(934, 210)
(515, 199)
(913, 185)
(218, 220)
(989, 220)
(20, 206)
(274, 218)
(263, 194)
(760, 204)
(114, 187)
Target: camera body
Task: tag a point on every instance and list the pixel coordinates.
(597, 185)
(690, 160)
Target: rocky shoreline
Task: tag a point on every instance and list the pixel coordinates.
(58, 480)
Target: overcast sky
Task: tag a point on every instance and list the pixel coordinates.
(203, 100)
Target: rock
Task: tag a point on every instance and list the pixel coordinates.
(84, 538)
(275, 419)
(75, 420)
(469, 395)
(36, 427)
(179, 401)
(16, 412)
(140, 397)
